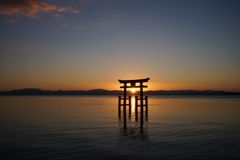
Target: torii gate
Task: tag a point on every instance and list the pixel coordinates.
(132, 84)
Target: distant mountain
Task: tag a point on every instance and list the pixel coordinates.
(190, 92)
(36, 91)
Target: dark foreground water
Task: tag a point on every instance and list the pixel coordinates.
(88, 127)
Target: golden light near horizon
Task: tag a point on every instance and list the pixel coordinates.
(133, 90)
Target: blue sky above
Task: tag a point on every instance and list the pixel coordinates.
(74, 44)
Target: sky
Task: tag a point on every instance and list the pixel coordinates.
(89, 44)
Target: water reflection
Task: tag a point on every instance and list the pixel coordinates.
(133, 129)
(133, 106)
(134, 136)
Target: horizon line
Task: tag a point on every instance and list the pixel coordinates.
(118, 90)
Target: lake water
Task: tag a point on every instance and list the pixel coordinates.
(88, 127)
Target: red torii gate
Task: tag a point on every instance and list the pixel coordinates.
(133, 84)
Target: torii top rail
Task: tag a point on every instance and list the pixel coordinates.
(132, 84)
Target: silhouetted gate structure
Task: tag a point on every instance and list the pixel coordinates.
(136, 83)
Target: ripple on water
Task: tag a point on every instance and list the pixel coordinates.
(69, 128)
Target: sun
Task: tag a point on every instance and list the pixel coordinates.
(133, 90)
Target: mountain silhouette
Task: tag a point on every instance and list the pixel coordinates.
(36, 91)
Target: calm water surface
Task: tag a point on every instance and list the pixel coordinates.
(88, 127)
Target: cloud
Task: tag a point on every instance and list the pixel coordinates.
(74, 11)
(64, 9)
(10, 20)
(47, 7)
(30, 8)
(56, 15)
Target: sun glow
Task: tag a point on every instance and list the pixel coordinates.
(133, 90)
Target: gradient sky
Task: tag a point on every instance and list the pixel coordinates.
(87, 44)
